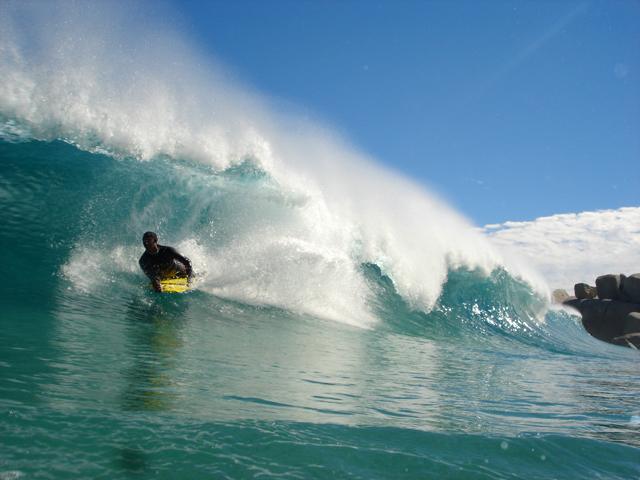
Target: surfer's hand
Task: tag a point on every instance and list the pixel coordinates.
(156, 285)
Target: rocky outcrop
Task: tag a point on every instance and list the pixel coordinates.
(584, 291)
(631, 288)
(632, 324)
(609, 286)
(613, 315)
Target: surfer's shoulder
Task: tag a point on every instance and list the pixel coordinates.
(167, 249)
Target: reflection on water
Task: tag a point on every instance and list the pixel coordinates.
(153, 338)
(207, 359)
(132, 460)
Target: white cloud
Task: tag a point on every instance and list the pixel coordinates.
(575, 247)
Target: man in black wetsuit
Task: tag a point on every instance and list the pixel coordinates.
(159, 262)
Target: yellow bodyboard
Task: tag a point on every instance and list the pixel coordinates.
(175, 285)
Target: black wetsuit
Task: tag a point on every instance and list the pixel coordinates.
(167, 263)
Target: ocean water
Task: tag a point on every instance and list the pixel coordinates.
(102, 377)
(344, 322)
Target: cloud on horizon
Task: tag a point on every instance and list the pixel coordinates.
(574, 247)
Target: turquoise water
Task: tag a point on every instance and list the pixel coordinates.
(102, 378)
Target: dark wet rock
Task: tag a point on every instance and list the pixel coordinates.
(608, 320)
(631, 287)
(632, 323)
(631, 334)
(584, 291)
(573, 302)
(596, 322)
(609, 286)
(614, 316)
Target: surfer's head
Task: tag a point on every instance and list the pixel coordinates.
(150, 242)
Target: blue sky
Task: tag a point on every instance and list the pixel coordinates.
(511, 110)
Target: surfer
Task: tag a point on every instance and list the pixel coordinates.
(159, 262)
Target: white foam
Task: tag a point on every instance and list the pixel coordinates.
(11, 475)
(90, 268)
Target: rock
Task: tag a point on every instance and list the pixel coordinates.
(608, 286)
(584, 291)
(632, 323)
(614, 316)
(631, 287)
(607, 319)
(593, 319)
(559, 295)
(617, 312)
(631, 335)
(573, 302)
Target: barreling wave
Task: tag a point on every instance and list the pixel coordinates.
(272, 209)
(251, 241)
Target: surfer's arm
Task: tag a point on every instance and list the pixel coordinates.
(185, 261)
(155, 282)
(155, 279)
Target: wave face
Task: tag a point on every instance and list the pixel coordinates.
(338, 307)
(251, 240)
